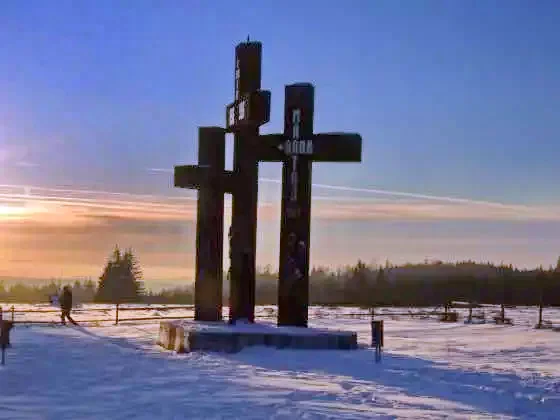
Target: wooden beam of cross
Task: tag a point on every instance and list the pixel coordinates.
(249, 110)
(323, 147)
(211, 180)
(195, 177)
(298, 148)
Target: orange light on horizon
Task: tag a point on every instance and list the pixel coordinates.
(11, 212)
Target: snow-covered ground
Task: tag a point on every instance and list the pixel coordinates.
(428, 370)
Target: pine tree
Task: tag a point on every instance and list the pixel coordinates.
(120, 281)
(360, 282)
(133, 271)
(381, 288)
(89, 291)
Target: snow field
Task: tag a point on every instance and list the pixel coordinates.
(429, 370)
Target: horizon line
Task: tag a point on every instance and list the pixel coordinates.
(429, 263)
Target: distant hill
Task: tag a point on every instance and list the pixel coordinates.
(438, 270)
(421, 271)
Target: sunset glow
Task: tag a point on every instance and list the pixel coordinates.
(70, 232)
(459, 138)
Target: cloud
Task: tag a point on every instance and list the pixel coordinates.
(44, 205)
(78, 244)
(392, 193)
(75, 229)
(433, 211)
(382, 192)
(26, 164)
(418, 206)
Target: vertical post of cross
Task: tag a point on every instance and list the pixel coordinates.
(210, 226)
(293, 296)
(246, 168)
(212, 181)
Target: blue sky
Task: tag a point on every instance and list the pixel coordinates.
(455, 99)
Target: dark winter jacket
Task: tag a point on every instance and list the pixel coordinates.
(66, 300)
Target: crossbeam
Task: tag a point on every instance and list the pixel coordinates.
(324, 147)
(204, 176)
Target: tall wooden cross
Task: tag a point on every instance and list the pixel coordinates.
(249, 110)
(298, 148)
(212, 181)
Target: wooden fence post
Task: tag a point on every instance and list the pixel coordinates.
(541, 304)
(117, 316)
(503, 313)
(377, 338)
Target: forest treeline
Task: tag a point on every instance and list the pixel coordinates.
(425, 284)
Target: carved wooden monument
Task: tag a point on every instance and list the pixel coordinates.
(297, 148)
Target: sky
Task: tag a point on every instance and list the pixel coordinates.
(457, 104)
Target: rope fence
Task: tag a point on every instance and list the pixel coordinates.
(12, 314)
(115, 312)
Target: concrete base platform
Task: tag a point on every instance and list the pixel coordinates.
(219, 336)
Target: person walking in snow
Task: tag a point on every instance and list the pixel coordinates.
(65, 300)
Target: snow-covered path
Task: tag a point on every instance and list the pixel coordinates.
(429, 370)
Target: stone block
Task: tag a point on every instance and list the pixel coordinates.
(221, 337)
(179, 345)
(167, 333)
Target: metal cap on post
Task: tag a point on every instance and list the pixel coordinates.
(248, 59)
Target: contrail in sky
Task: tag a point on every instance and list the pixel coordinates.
(457, 200)
(38, 199)
(403, 194)
(27, 189)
